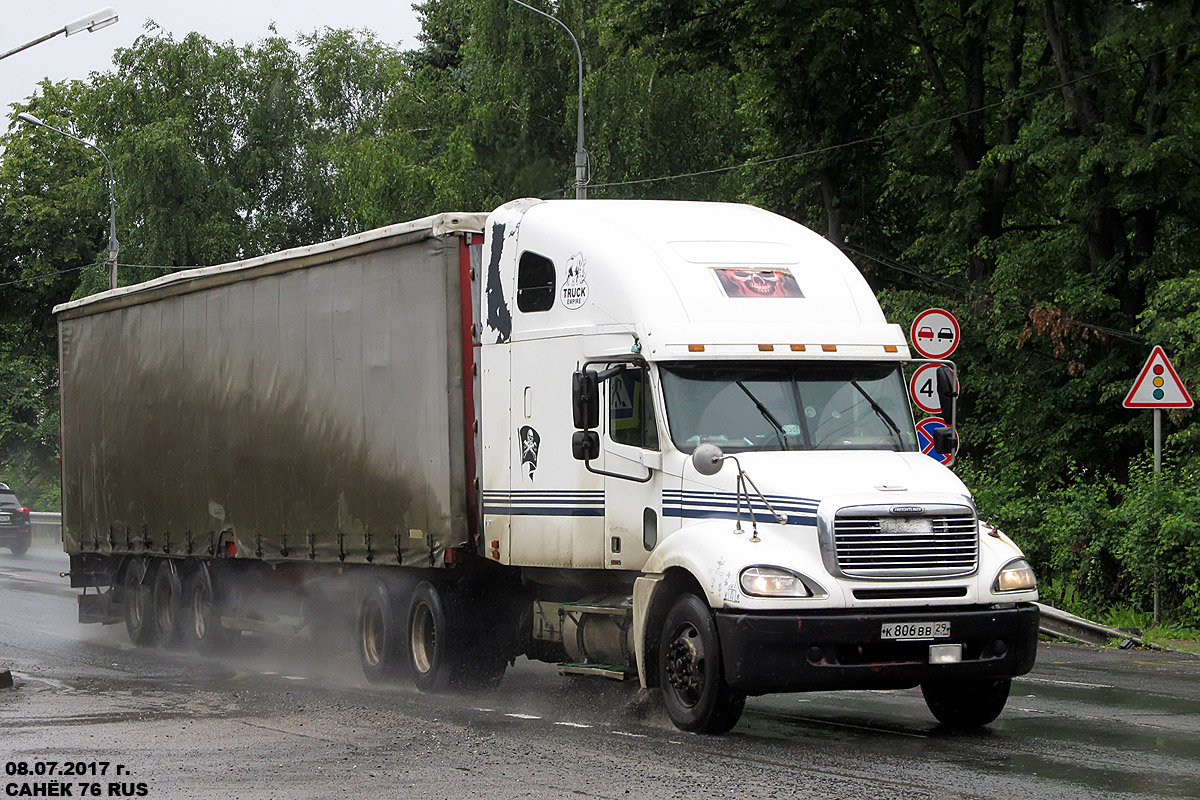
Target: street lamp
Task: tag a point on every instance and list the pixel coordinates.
(581, 160)
(112, 200)
(90, 23)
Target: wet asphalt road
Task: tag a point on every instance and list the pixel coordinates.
(280, 719)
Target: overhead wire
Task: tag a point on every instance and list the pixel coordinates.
(907, 129)
(55, 273)
(893, 264)
(882, 260)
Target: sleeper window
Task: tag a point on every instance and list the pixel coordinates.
(535, 283)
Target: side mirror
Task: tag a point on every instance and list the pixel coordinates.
(585, 445)
(947, 390)
(707, 459)
(945, 440)
(585, 400)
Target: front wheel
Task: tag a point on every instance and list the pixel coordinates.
(966, 704)
(690, 672)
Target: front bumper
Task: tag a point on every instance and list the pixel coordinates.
(765, 653)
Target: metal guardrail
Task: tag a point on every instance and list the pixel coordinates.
(46, 525)
(1065, 625)
(1068, 626)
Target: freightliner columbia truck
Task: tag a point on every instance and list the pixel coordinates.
(661, 441)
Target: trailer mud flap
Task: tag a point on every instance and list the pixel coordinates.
(98, 608)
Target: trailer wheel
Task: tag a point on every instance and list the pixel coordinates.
(445, 650)
(167, 593)
(135, 599)
(380, 635)
(690, 672)
(966, 704)
(200, 618)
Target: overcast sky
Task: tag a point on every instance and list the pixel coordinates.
(241, 21)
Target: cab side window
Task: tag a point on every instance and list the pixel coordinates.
(631, 410)
(535, 283)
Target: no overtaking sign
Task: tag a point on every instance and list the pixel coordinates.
(934, 333)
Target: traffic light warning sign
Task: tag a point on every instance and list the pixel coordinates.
(1158, 385)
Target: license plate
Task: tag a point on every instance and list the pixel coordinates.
(915, 630)
(4, 518)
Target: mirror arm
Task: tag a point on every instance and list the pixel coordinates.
(601, 377)
(635, 479)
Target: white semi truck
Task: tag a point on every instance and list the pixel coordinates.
(662, 441)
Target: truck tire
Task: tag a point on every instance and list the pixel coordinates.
(136, 603)
(690, 671)
(167, 594)
(200, 621)
(448, 647)
(380, 634)
(966, 704)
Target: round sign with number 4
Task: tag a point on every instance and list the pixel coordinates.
(923, 389)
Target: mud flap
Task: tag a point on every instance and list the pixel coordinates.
(98, 608)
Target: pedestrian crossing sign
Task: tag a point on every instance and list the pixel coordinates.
(1158, 385)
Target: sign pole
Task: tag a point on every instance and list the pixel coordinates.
(1157, 441)
(1157, 387)
(1157, 470)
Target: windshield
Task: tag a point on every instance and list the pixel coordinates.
(788, 406)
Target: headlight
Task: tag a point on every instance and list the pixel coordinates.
(1016, 576)
(773, 582)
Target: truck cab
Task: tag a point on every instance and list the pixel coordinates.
(697, 447)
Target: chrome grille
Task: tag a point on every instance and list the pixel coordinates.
(872, 543)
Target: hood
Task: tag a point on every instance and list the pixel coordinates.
(808, 477)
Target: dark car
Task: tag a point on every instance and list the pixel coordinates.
(14, 522)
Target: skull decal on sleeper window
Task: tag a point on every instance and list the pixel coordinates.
(758, 282)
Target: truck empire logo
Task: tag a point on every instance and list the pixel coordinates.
(907, 510)
(575, 288)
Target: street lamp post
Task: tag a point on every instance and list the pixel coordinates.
(581, 159)
(90, 23)
(112, 200)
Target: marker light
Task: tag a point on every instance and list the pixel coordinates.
(773, 582)
(1015, 576)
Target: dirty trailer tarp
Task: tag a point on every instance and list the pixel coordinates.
(307, 406)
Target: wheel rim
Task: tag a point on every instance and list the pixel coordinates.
(201, 608)
(685, 665)
(162, 605)
(133, 606)
(424, 638)
(372, 635)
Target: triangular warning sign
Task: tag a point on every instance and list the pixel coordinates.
(1158, 386)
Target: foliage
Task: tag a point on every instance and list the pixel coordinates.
(1030, 165)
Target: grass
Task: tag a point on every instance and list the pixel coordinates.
(1164, 631)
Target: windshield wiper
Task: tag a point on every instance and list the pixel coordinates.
(883, 415)
(767, 415)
